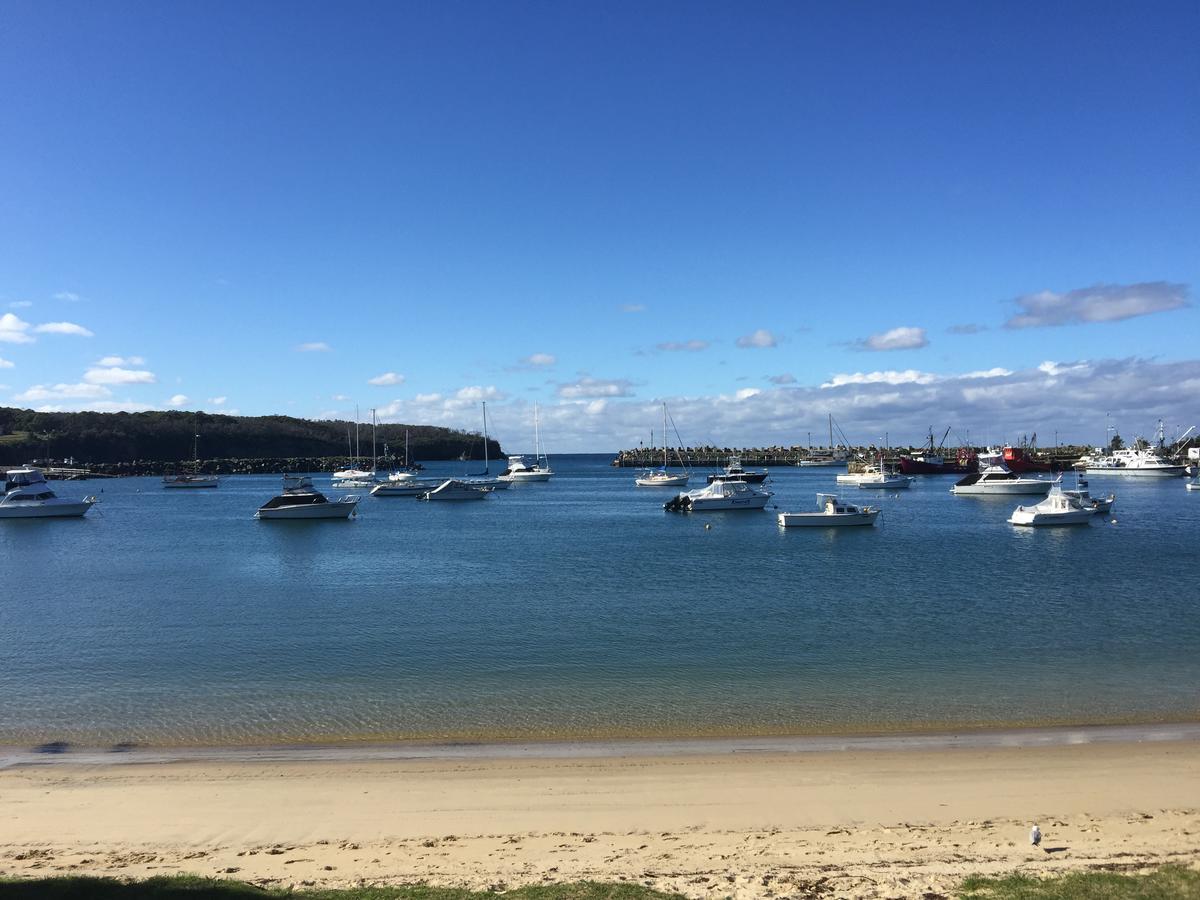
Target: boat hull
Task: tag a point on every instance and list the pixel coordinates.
(1022, 516)
(42, 510)
(335, 509)
(521, 477)
(1002, 490)
(824, 520)
(727, 504)
(661, 481)
(887, 484)
(1132, 472)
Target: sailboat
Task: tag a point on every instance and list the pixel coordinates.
(485, 478)
(519, 470)
(661, 477)
(353, 476)
(835, 456)
(193, 479)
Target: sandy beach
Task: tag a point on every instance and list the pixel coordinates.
(851, 823)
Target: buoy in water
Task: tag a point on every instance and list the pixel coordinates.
(708, 526)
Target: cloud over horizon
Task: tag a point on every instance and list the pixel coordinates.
(1098, 303)
(387, 379)
(760, 339)
(63, 328)
(902, 338)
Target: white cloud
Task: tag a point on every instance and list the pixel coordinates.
(40, 392)
(1099, 303)
(747, 393)
(539, 359)
(586, 388)
(5, 364)
(633, 307)
(122, 361)
(13, 330)
(217, 401)
(21, 304)
(693, 346)
(98, 406)
(178, 400)
(63, 328)
(68, 296)
(386, 379)
(340, 398)
(313, 347)
(996, 372)
(902, 338)
(760, 338)
(118, 375)
(1054, 369)
(784, 378)
(890, 376)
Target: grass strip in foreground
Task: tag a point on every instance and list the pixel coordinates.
(192, 887)
(1167, 883)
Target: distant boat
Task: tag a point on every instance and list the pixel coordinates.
(881, 478)
(932, 462)
(1098, 505)
(28, 496)
(485, 478)
(519, 470)
(194, 479)
(1139, 462)
(300, 500)
(830, 513)
(720, 495)
(661, 477)
(355, 477)
(735, 472)
(834, 456)
(409, 487)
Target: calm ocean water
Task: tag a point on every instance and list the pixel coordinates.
(579, 608)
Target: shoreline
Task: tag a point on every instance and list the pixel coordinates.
(982, 738)
(863, 821)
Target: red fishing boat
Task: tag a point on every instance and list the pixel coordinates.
(1021, 459)
(933, 462)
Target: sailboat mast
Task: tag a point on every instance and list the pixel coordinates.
(664, 436)
(357, 446)
(374, 456)
(406, 448)
(831, 433)
(487, 465)
(537, 438)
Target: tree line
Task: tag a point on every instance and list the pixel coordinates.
(92, 437)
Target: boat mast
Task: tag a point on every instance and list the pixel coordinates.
(487, 465)
(357, 446)
(374, 458)
(664, 437)
(831, 434)
(406, 448)
(537, 438)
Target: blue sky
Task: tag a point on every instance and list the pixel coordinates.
(758, 214)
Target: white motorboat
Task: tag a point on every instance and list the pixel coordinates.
(1057, 509)
(300, 500)
(28, 496)
(735, 472)
(720, 495)
(853, 478)
(1140, 462)
(1000, 481)
(1194, 484)
(407, 487)
(456, 489)
(521, 471)
(1097, 505)
(830, 513)
(882, 479)
(660, 477)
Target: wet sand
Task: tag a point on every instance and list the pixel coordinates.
(874, 820)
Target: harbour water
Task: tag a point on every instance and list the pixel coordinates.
(578, 608)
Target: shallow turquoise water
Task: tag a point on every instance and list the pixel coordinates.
(580, 608)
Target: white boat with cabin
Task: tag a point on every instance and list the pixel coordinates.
(1142, 462)
(193, 479)
(736, 472)
(521, 471)
(1057, 509)
(1098, 505)
(720, 495)
(830, 513)
(999, 480)
(28, 496)
(300, 500)
(882, 479)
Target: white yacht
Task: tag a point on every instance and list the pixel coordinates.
(1140, 462)
(1057, 509)
(456, 489)
(300, 500)
(720, 495)
(28, 496)
(868, 471)
(999, 480)
(882, 479)
(830, 513)
(1097, 505)
(405, 487)
(661, 477)
(519, 470)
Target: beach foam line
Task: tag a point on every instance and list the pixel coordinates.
(983, 739)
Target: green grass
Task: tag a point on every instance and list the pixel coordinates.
(191, 887)
(1167, 883)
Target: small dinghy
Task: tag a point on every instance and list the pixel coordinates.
(830, 513)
